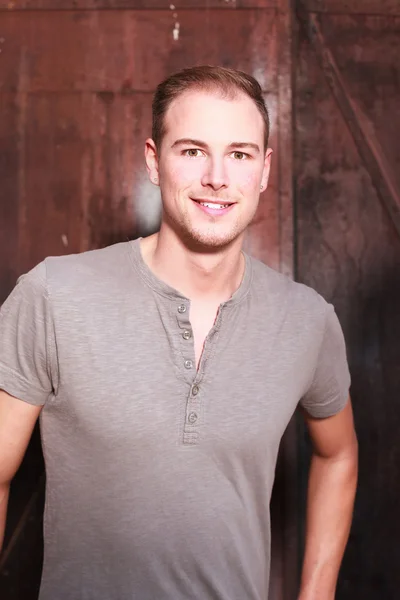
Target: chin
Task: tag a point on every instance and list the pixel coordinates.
(210, 240)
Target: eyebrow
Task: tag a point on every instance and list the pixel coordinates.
(192, 142)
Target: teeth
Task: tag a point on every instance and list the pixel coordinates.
(210, 205)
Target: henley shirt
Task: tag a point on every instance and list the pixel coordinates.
(159, 476)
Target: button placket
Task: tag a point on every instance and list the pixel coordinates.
(186, 338)
(193, 414)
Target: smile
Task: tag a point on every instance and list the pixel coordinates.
(212, 205)
(213, 208)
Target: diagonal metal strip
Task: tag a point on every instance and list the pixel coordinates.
(359, 125)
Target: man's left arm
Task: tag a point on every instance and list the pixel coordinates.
(331, 491)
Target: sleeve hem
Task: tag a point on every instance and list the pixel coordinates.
(329, 409)
(16, 386)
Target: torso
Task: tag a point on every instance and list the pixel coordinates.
(133, 450)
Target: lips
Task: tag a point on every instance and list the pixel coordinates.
(213, 207)
(215, 204)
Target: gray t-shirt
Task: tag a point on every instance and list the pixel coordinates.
(159, 477)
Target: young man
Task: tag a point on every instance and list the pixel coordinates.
(165, 372)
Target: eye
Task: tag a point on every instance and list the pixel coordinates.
(192, 152)
(239, 155)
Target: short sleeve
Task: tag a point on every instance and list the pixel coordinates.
(27, 340)
(329, 389)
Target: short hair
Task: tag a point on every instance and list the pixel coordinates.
(224, 81)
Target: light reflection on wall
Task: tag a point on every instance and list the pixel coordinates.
(147, 202)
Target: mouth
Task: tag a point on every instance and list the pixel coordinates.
(213, 207)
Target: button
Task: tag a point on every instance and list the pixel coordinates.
(192, 418)
(181, 308)
(187, 334)
(195, 390)
(188, 364)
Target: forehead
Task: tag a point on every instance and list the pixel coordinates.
(210, 117)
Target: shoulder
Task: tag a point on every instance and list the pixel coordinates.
(284, 292)
(103, 266)
(77, 274)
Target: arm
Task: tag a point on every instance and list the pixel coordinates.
(331, 491)
(17, 420)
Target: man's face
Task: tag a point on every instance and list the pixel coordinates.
(211, 166)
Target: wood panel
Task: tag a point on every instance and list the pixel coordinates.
(130, 51)
(371, 71)
(372, 7)
(361, 127)
(348, 249)
(9, 167)
(262, 237)
(82, 127)
(363, 7)
(58, 5)
(80, 169)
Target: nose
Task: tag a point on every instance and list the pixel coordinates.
(215, 174)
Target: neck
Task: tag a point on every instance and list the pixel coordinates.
(195, 274)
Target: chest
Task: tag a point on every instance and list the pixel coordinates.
(160, 376)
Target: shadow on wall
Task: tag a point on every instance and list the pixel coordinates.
(371, 566)
(371, 318)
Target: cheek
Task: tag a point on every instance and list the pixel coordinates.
(182, 175)
(246, 179)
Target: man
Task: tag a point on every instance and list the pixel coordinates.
(165, 372)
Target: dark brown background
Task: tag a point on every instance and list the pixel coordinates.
(76, 81)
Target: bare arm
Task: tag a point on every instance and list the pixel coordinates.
(17, 420)
(331, 491)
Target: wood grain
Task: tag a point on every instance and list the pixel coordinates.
(348, 250)
(361, 128)
(130, 51)
(18, 5)
(363, 7)
(9, 166)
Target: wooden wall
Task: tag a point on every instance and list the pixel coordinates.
(347, 182)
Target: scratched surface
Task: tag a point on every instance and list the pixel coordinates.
(124, 51)
(372, 71)
(349, 250)
(345, 7)
(15, 5)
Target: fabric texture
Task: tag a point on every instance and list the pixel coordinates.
(159, 476)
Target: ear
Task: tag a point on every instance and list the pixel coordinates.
(266, 169)
(151, 156)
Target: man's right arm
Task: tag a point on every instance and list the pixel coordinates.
(17, 420)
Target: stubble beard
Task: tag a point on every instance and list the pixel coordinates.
(208, 238)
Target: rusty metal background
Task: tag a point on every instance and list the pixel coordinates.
(346, 187)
